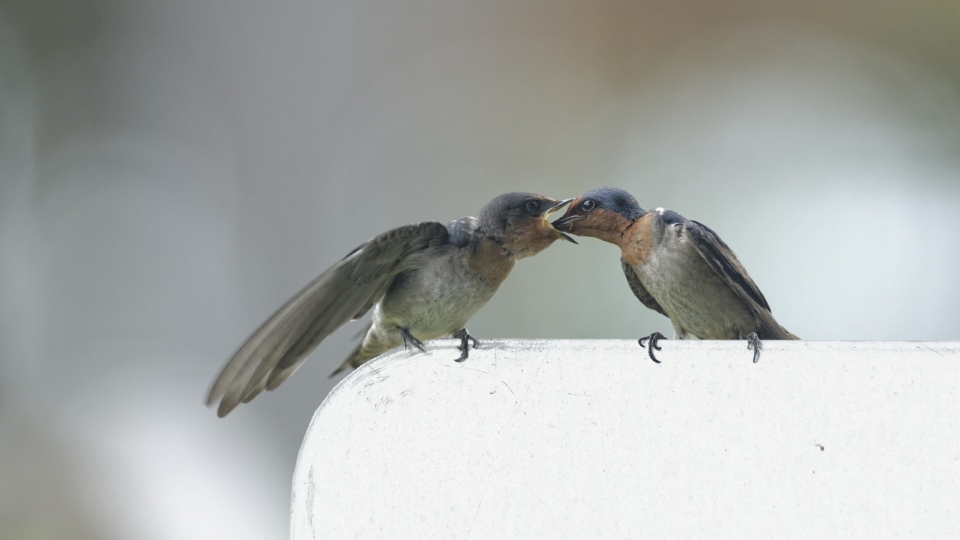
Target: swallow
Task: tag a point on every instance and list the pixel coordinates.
(423, 281)
(677, 267)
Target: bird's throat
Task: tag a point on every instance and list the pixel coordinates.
(491, 261)
(636, 241)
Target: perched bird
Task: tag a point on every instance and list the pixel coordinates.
(423, 281)
(677, 267)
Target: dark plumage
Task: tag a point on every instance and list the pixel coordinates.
(677, 267)
(423, 281)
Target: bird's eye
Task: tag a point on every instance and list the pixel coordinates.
(588, 205)
(533, 207)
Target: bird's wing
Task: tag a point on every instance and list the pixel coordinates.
(639, 290)
(345, 291)
(724, 262)
(459, 233)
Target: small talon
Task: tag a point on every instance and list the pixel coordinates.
(754, 344)
(406, 335)
(652, 344)
(464, 347)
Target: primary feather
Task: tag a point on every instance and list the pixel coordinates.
(344, 292)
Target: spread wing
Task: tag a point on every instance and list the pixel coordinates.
(724, 262)
(639, 290)
(345, 291)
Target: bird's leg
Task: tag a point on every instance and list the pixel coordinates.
(464, 347)
(652, 340)
(754, 344)
(406, 335)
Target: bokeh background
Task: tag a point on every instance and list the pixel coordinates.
(172, 171)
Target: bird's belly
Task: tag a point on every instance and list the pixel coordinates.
(434, 301)
(697, 300)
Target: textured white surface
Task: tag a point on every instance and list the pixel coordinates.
(590, 439)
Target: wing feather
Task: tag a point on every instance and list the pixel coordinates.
(343, 292)
(724, 262)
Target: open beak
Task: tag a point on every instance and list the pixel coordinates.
(553, 209)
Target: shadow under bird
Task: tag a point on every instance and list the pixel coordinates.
(678, 268)
(423, 281)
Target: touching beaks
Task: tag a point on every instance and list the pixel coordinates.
(566, 220)
(553, 209)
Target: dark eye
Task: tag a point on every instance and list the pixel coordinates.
(588, 205)
(533, 207)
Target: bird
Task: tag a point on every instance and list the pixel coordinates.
(422, 281)
(677, 267)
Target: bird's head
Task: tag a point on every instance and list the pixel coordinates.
(603, 213)
(519, 222)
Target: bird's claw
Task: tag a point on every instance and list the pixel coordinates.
(754, 344)
(464, 347)
(407, 336)
(652, 340)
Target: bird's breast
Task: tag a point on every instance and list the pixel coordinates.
(487, 261)
(695, 298)
(442, 292)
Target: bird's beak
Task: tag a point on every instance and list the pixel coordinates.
(553, 209)
(564, 222)
(556, 207)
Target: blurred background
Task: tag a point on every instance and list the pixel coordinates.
(171, 172)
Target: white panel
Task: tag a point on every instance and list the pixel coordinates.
(590, 439)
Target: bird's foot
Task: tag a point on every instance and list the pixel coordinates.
(464, 347)
(651, 345)
(754, 344)
(407, 336)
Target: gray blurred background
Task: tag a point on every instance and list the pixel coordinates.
(172, 171)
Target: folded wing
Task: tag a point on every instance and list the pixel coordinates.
(344, 292)
(725, 263)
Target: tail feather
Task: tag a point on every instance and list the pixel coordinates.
(769, 328)
(369, 348)
(278, 347)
